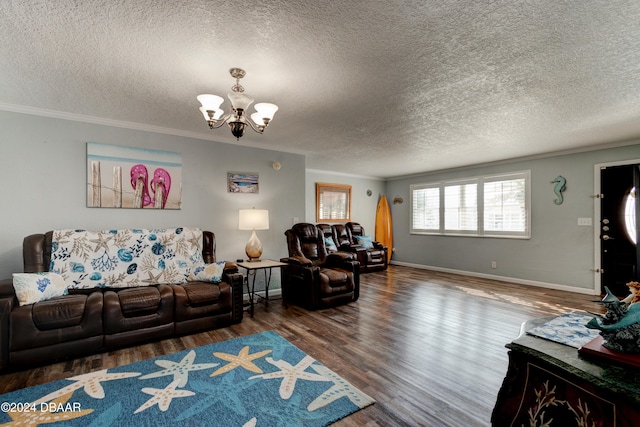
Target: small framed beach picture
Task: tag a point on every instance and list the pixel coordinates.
(242, 182)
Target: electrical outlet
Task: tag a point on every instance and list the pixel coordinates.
(494, 264)
(295, 220)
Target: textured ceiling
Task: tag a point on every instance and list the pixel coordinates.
(374, 87)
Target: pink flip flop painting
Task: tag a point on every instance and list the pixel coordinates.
(155, 177)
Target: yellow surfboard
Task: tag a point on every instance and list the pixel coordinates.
(384, 226)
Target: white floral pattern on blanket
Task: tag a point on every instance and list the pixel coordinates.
(125, 258)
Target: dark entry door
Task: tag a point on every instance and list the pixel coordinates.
(620, 257)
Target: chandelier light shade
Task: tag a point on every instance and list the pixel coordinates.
(240, 103)
(253, 219)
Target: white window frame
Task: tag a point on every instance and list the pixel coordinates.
(418, 187)
(480, 229)
(443, 204)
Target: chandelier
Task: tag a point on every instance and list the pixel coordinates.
(236, 119)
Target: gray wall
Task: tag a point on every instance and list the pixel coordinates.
(43, 172)
(559, 254)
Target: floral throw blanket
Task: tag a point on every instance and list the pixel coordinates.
(125, 258)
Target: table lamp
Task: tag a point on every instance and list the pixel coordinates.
(253, 219)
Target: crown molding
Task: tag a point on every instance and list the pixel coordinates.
(539, 156)
(352, 175)
(35, 111)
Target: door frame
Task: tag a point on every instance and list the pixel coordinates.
(597, 277)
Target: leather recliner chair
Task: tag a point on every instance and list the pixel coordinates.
(371, 259)
(314, 278)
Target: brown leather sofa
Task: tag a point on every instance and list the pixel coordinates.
(313, 277)
(95, 320)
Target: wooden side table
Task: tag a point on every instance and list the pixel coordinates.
(551, 382)
(252, 268)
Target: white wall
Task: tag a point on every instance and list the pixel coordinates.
(559, 254)
(43, 173)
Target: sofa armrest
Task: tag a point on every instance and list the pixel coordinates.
(230, 267)
(355, 249)
(6, 305)
(297, 260)
(342, 260)
(378, 245)
(339, 257)
(236, 281)
(6, 288)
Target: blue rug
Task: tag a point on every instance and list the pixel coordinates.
(257, 380)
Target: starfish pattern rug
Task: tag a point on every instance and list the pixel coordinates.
(253, 381)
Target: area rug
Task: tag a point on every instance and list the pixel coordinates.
(257, 380)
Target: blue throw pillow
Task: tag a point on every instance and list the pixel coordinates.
(365, 241)
(331, 246)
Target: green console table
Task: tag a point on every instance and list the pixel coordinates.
(551, 384)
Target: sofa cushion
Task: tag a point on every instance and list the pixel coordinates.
(334, 276)
(60, 312)
(199, 293)
(54, 322)
(139, 301)
(138, 312)
(33, 287)
(334, 282)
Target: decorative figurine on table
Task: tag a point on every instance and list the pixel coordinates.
(620, 325)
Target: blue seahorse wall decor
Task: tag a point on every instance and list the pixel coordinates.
(559, 187)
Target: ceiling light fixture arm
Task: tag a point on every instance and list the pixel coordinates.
(216, 123)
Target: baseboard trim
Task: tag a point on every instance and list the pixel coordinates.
(554, 286)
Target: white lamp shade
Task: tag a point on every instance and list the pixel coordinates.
(210, 102)
(257, 119)
(253, 219)
(240, 101)
(266, 110)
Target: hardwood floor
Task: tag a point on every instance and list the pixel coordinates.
(428, 346)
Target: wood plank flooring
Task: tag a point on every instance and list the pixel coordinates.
(428, 346)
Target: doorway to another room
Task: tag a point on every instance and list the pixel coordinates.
(618, 234)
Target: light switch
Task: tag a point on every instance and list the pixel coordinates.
(585, 221)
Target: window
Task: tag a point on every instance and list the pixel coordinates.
(425, 208)
(333, 202)
(489, 206)
(461, 207)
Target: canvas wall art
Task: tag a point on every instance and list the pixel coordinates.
(242, 182)
(136, 178)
